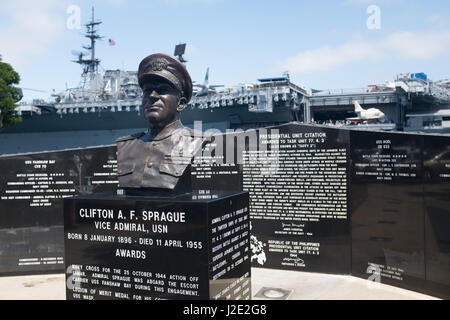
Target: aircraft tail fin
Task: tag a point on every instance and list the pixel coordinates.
(207, 77)
(358, 107)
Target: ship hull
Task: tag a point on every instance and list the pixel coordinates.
(50, 132)
(52, 122)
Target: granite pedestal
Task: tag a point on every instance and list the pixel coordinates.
(195, 246)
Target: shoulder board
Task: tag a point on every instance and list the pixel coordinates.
(131, 137)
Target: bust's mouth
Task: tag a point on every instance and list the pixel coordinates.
(154, 107)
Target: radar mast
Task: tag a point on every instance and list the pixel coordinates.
(90, 65)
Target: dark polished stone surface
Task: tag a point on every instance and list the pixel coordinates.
(291, 228)
(187, 247)
(387, 208)
(398, 210)
(32, 187)
(436, 167)
(307, 227)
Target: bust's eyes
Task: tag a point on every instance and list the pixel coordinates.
(162, 88)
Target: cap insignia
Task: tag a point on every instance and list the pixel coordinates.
(158, 65)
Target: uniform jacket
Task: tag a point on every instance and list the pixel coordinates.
(160, 162)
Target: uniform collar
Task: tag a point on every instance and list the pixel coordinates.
(168, 130)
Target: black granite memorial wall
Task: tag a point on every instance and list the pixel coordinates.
(436, 175)
(372, 204)
(297, 177)
(186, 247)
(386, 221)
(400, 210)
(32, 187)
(387, 208)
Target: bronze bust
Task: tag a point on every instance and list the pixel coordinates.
(157, 162)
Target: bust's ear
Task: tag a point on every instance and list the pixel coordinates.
(182, 104)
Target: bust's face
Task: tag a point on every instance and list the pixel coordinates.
(159, 103)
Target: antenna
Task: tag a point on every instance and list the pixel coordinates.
(91, 33)
(180, 49)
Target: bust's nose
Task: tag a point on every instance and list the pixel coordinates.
(154, 96)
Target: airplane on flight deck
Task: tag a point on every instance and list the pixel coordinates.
(369, 115)
(205, 88)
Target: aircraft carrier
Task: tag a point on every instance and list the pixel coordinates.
(107, 105)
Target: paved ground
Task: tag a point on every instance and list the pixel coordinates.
(300, 285)
(318, 286)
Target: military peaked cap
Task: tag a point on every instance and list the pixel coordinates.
(167, 67)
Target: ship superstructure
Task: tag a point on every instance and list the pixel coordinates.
(107, 105)
(96, 89)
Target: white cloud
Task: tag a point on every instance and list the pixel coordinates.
(403, 45)
(327, 58)
(423, 45)
(29, 28)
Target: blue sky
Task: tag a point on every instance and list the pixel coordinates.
(323, 44)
